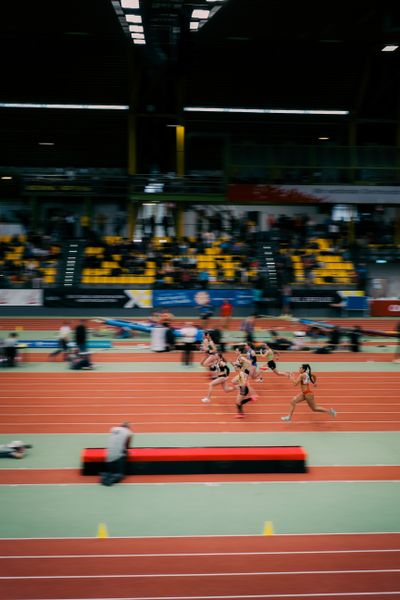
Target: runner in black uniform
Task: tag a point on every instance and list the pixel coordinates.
(220, 373)
(244, 393)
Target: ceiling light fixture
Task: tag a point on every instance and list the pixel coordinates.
(200, 14)
(133, 18)
(194, 25)
(134, 4)
(137, 36)
(65, 106)
(136, 28)
(269, 111)
(389, 48)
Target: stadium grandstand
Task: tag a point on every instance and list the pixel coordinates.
(188, 187)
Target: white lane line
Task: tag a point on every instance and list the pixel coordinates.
(376, 595)
(182, 575)
(196, 554)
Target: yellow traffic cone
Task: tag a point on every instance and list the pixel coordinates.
(102, 532)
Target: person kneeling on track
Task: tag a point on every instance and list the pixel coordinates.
(117, 453)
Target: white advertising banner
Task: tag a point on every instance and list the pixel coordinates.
(21, 297)
(357, 194)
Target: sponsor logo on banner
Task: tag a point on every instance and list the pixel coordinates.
(99, 298)
(139, 299)
(11, 297)
(201, 297)
(394, 307)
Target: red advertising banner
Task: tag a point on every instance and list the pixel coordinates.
(385, 308)
(253, 193)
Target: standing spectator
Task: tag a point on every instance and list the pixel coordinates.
(257, 300)
(397, 353)
(189, 334)
(10, 349)
(64, 340)
(85, 225)
(248, 327)
(226, 311)
(206, 311)
(286, 297)
(81, 336)
(117, 453)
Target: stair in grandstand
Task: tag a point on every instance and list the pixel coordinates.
(266, 252)
(69, 271)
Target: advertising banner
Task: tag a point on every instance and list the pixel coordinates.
(201, 297)
(21, 297)
(312, 298)
(385, 308)
(90, 298)
(312, 194)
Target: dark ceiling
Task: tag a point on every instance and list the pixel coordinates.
(252, 53)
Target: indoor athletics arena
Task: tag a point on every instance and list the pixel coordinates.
(199, 300)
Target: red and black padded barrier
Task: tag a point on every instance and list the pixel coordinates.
(187, 461)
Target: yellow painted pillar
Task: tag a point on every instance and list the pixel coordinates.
(179, 221)
(180, 150)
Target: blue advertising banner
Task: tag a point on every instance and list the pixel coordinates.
(201, 297)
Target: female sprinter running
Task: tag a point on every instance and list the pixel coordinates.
(220, 373)
(271, 364)
(251, 360)
(209, 347)
(307, 381)
(244, 391)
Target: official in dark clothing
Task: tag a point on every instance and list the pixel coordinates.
(81, 336)
(355, 339)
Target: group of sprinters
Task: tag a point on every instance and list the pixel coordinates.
(246, 369)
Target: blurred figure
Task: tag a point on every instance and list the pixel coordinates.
(226, 311)
(355, 339)
(81, 336)
(14, 449)
(117, 453)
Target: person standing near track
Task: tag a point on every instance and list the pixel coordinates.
(188, 335)
(307, 381)
(226, 311)
(397, 352)
(117, 453)
(220, 373)
(269, 355)
(81, 336)
(64, 339)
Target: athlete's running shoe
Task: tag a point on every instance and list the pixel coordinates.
(205, 400)
(285, 418)
(332, 412)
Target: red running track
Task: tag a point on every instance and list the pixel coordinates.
(53, 323)
(23, 476)
(108, 356)
(91, 402)
(307, 566)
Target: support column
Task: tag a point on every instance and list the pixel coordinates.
(352, 150)
(179, 221)
(180, 150)
(132, 209)
(132, 145)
